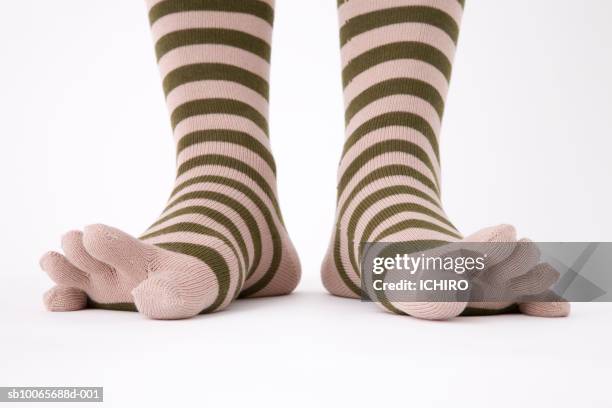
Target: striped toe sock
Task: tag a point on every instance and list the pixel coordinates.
(214, 58)
(396, 66)
(222, 234)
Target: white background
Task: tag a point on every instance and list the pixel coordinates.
(86, 138)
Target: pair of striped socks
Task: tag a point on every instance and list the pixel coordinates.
(221, 234)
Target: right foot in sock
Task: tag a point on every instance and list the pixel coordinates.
(222, 233)
(106, 268)
(397, 61)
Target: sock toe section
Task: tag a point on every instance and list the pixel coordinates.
(62, 272)
(155, 298)
(432, 310)
(525, 257)
(119, 250)
(499, 233)
(165, 298)
(75, 252)
(546, 309)
(64, 299)
(536, 281)
(503, 235)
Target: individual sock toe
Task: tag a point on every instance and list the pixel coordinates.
(499, 233)
(536, 281)
(161, 298)
(117, 249)
(504, 236)
(524, 258)
(554, 306)
(62, 272)
(431, 310)
(156, 299)
(64, 299)
(545, 309)
(75, 252)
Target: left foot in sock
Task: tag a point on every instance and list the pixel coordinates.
(397, 60)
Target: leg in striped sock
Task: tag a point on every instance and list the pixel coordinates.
(221, 235)
(397, 60)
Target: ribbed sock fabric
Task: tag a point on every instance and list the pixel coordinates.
(221, 235)
(396, 67)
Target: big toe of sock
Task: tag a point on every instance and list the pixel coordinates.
(498, 242)
(160, 298)
(498, 233)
